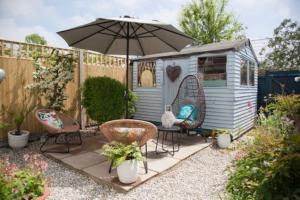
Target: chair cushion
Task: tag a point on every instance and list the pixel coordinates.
(189, 112)
(178, 121)
(51, 119)
(134, 134)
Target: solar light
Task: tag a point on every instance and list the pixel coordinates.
(2, 75)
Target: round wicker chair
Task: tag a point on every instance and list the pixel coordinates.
(70, 126)
(190, 92)
(137, 130)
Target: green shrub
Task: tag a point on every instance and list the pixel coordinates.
(269, 171)
(103, 99)
(275, 121)
(283, 113)
(269, 168)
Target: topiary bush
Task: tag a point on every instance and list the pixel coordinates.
(103, 99)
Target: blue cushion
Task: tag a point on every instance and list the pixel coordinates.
(187, 110)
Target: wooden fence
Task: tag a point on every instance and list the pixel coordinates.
(16, 60)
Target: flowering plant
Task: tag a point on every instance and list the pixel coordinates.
(52, 74)
(27, 182)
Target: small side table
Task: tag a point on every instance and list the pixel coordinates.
(165, 132)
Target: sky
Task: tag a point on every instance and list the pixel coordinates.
(19, 18)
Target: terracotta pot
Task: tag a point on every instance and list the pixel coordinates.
(45, 195)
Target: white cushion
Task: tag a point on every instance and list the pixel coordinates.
(178, 121)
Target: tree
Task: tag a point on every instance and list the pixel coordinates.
(285, 48)
(208, 21)
(35, 38)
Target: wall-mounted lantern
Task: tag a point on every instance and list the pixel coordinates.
(2, 75)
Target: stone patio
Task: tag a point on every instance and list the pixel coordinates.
(87, 159)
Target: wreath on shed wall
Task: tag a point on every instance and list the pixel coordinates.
(173, 72)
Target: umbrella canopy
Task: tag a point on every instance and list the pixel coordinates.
(126, 36)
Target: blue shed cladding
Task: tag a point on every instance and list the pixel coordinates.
(231, 106)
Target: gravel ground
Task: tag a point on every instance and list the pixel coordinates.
(202, 176)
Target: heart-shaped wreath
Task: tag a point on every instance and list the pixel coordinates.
(173, 72)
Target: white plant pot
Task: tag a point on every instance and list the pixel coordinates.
(18, 141)
(224, 140)
(128, 171)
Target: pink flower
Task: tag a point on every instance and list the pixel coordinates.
(14, 190)
(35, 157)
(240, 154)
(44, 166)
(26, 157)
(11, 169)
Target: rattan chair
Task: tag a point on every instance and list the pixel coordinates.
(70, 126)
(190, 92)
(108, 129)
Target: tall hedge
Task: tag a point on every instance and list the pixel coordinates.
(103, 98)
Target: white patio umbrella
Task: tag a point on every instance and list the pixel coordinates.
(128, 36)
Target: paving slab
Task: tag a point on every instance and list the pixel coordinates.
(100, 173)
(186, 151)
(142, 178)
(84, 160)
(87, 159)
(161, 164)
(60, 156)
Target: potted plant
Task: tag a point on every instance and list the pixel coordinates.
(19, 138)
(223, 138)
(125, 158)
(27, 182)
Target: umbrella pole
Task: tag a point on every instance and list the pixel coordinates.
(127, 67)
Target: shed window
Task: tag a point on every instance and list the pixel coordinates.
(214, 70)
(146, 74)
(247, 73)
(251, 74)
(244, 73)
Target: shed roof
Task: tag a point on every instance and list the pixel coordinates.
(207, 48)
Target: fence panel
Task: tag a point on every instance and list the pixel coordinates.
(16, 60)
(271, 82)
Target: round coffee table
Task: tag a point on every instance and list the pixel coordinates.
(165, 132)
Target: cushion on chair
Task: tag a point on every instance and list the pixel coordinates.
(130, 133)
(51, 119)
(188, 111)
(178, 121)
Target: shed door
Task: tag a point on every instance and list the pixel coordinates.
(170, 87)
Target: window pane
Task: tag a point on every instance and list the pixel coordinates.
(146, 74)
(251, 74)
(243, 72)
(213, 69)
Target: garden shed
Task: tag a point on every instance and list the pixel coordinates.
(229, 79)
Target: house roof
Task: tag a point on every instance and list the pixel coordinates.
(207, 48)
